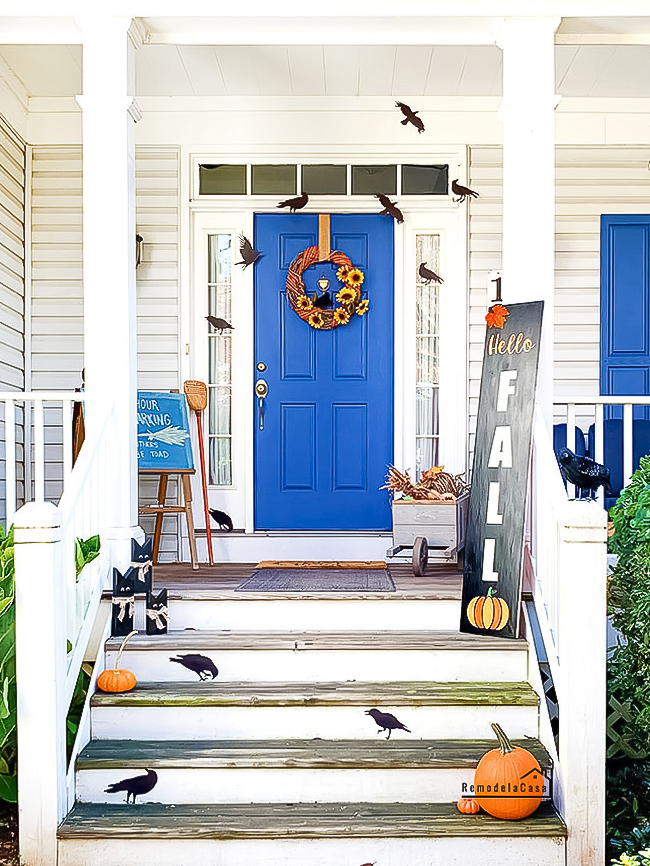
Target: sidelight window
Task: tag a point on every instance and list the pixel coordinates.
(427, 348)
(220, 361)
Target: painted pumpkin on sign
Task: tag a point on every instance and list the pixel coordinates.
(468, 806)
(115, 679)
(488, 611)
(508, 781)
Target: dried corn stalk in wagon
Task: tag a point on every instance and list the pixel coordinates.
(435, 485)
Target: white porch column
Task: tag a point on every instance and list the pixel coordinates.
(109, 253)
(527, 113)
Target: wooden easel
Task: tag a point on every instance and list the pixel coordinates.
(161, 509)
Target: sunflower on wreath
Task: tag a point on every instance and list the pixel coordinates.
(348, 296)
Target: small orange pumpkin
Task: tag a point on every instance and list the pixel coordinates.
(468, 806)
(115, 679)
(488, 611)
(508, 782)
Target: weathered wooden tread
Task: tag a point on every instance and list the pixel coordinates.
(296, 820)
(349, 693)
(291, 754)
(192, 639)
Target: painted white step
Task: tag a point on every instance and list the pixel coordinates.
(298, 834)
(226, 711)
(329, 612)
(326, 656)
(430, 771)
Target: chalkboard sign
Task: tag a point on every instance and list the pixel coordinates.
(497, 504)
(163, 432)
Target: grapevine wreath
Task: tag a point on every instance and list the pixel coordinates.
(348, 296)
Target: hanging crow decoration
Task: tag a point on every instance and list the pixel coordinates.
(585, 473)
(389, 207)
(428, 275)
(246, 251)
(462, 191)
(136, 786)
(220, 325)
(295, 204)
(410, 116)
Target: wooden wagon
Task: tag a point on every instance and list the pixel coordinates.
(435, 530)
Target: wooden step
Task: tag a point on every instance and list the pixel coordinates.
(248, 710)
(326, 655)
(278, 771)
(298, 821)
(306, 754)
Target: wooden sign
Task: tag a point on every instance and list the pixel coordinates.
(497, 505)
(163, 432)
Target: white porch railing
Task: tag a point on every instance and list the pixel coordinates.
(55, 610)
(569, 557)
(38, 436)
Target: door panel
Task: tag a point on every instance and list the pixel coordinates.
(327, 434)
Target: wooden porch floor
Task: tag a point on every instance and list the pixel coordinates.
(222, 579)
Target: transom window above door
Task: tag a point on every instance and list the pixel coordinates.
(321, 179)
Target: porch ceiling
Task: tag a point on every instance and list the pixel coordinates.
(608, 57)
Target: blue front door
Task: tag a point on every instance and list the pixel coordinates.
(327, 434)
(625, 334)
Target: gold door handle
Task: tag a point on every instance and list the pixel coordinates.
(261, 389)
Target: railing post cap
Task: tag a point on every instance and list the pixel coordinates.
(35, 520)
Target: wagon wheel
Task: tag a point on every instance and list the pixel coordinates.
(420, 555)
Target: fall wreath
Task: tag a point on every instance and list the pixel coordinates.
(348, 296)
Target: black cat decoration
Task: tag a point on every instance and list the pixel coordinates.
(142, 560)
(123, 603)
(157, 615)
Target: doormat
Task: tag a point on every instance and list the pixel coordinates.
(318, 580)
(282, 563)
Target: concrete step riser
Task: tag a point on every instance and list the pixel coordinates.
(332, 665)
(327, 723)
(452, 851)
(310, 614)
(247, 785)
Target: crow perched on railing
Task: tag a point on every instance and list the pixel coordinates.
(584, 472)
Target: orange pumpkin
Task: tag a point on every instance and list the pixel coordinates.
(468, 806)
(115, 679)
(508, 782)
(488, 611)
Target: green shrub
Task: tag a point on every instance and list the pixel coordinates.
(628, 677)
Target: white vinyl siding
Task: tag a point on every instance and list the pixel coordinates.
(590, 181)
(57, 296)
(157, 221)
(12, 292)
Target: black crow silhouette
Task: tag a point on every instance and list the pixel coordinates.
(462, 191)
(295, 204)
(584, 472)
(322, 301)
(135, 786)
(198, 664)
(429, 275)
(246, 251)
(220, 325)
(389, 207)
(223, 519)
(386, 722)
(410, 116)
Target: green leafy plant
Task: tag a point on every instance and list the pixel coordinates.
(85, 551)
(8, 732)
(628, 676)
